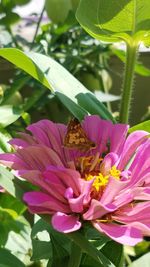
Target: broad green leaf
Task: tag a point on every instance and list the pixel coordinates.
(9, 19)
(9, 202)
(52, 75)
(91, 104)
(4, 138)
(3, 231)
(88, 248)
(61, 7)
(59, 253)
(145, 126)
(13, 185)
(8, 114)
(115, 20)
(6, 180)
(42, 248)
(11, 212)
(9, 222)
(7, 259)
(21, 2)
(142, 261)
(113, 248)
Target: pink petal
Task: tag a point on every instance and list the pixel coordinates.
(98, 131)
(13, 161)
(45, 203)
(126, 235)
(141, 163)
(18, 143)
(49, 134)
(117, 138)
(65, 223)
(97, 210)
(128, 214)
(143, 227)
(112, 189)
(141, 193)
(76, 204)
(39, 157)
(133, 141)
(69, 177)
(23, 141)
(54, 185)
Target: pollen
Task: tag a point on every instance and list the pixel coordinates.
(115, 172)
(99, 180)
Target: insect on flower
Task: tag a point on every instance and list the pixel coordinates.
(76, 137)
(78, 184)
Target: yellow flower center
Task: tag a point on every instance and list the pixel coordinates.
(100, 180)
(115, 173)
(90, 169)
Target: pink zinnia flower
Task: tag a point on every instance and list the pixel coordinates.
(108, 185)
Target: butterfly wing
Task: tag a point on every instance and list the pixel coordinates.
(76, 137)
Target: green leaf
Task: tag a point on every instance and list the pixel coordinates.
(90, 103)
(145, 126)
(21, 2)
(4, 138)
(52, 75)
(9, 260)
(8, 114)
(13, 185)
(9, 202)
(10, 18)
(42, 249)
(115, 20)
(88, 248)
(60, 254)
(113, 248)
(142, 261)
(61, 7)
(6, 180)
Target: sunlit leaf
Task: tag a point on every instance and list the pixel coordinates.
(7, 259)
(115, 20)
(52, 75)
(8, 114)
(142, 261)
(145, 126)
(4, 138)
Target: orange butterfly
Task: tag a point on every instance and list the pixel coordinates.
(76, 137)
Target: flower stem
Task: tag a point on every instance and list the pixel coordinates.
(76, 255)
(128, 81)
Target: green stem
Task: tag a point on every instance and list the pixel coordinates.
(38, 25)
(128, 82)
(76, 255)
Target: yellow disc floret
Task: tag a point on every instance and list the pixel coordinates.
(115, 173)
(99, 180)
